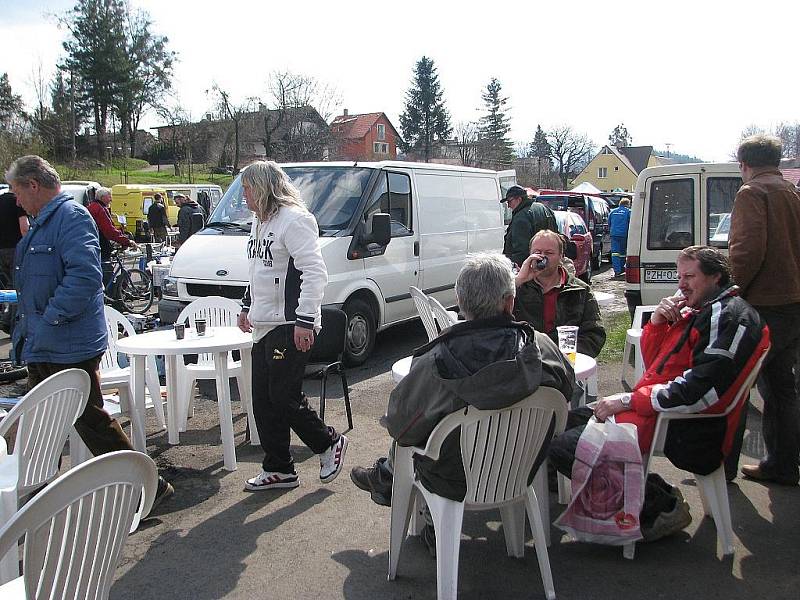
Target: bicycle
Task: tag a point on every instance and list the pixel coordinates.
(129, 288)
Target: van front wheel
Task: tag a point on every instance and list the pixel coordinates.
(361, 328)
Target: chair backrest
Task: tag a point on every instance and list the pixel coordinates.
(329, 344)
(75, 528)
(114, 320)
(425, 312)
(440, 314)
(499, 447)
(749, 382)
(44, 417)
(640, 313)
(216, 310)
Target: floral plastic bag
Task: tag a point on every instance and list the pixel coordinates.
(607, 485)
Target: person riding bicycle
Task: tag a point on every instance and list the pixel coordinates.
(108, 233)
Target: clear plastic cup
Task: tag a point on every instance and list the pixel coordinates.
(568, 341)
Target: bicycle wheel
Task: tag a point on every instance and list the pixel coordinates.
(135, 290)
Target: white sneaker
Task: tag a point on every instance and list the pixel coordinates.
(268, 480)
(332, 460)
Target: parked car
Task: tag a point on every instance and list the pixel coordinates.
(593, 211)
(574, 227)
(721, 231)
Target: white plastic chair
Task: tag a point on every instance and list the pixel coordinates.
(425, 312)
(74, 529)
(442, 316)
(713, 488)
(112, 376)
(632, 354)
(218, 312)
(44, 417)
(498, 448)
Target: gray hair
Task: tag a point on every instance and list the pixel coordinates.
(33, 168)
(272, 188)
(101, 192)
(484, 283)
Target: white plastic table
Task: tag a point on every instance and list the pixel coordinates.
(219, 341)
(9, 564)
(585, 370)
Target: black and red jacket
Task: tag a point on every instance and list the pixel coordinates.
(697, 365)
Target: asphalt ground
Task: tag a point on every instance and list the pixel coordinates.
(214, 540)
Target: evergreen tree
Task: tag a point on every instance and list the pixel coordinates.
(10, 103)
(496, 148)
(425, 118)
(541, 151)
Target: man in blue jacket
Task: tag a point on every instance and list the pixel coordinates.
(60, 315)
(618, 221)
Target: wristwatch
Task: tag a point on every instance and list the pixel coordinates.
(625, 399)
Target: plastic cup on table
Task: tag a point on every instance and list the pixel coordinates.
(568, 341)
(200, 326)
(180, 330)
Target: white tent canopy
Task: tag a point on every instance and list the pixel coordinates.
(585, 188)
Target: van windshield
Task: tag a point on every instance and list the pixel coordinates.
(332, 194)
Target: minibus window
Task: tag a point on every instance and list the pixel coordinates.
(670, 221)
(720, 192)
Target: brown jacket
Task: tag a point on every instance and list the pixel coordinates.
(764, 240)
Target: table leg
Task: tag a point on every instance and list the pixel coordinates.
(247, 395)
(138, 403)
(173, 402)
(225, 413)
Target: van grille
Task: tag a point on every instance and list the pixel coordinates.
(200, 290)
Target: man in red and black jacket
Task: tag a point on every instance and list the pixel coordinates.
(698, 348)
(107, 231)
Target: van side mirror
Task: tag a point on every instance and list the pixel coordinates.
(380, 229)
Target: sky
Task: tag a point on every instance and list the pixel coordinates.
(691, 74)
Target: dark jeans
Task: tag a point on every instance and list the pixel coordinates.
(778, 387)
(657, 498)
(98, 431)
(279, 404)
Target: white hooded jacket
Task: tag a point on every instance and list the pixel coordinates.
(287, 273)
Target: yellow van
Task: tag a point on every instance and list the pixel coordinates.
(133, 201)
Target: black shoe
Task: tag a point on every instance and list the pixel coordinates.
(759, 473)
(163, 491)
(377, 480)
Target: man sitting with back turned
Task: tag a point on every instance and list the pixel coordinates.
(698, 348)
(488, 361)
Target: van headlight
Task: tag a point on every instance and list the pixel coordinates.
(169, 287)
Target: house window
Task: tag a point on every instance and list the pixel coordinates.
(616, 168)
(381, 131)
(602, 172)
(380, 148)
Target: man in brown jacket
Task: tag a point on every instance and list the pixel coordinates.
(764, 246)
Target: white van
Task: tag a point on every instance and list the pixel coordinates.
(433, 215)
(675, 206)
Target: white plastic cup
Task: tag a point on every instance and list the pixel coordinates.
(568, 341)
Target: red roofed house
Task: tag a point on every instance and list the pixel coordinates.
(363, 137)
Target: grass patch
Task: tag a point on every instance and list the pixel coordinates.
(114, 174)
(617, 325)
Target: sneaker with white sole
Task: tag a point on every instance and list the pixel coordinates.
(332, 460)
(268, 480)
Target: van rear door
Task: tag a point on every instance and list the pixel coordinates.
(718, 191)
(671, 222)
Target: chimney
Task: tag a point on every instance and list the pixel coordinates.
(345, 112)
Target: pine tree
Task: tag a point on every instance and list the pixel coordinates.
(497, 149)
(425, 118)
(10, 103)
(541, 151)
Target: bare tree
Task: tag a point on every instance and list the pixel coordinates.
(570, 150)
(789, 134)
(466, 133)
(175, 116)
(235, 113)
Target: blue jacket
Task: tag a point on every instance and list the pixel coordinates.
(59, 287)
(618, 221)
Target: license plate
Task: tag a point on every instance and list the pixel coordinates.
(661, 275)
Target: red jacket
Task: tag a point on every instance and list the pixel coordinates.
(697, 365)
(108, 232)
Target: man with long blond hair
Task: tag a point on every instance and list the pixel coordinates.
(282, 307)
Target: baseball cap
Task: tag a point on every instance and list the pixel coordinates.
(514, 191)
